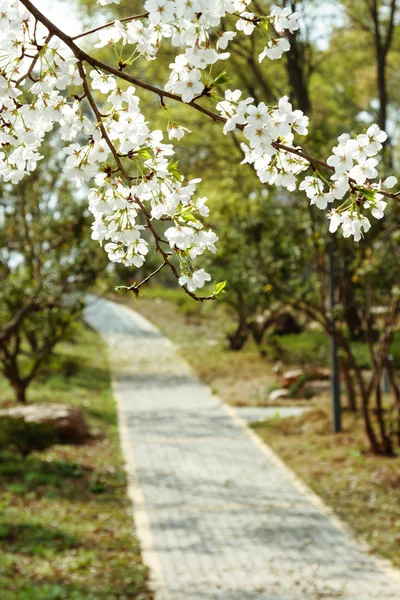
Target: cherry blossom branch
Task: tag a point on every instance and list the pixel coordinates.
(135, 287)
(97, 64)
(127, 178)
(110, 24)
(34, 61)
(254, 19)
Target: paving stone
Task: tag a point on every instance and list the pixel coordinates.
(218, 517)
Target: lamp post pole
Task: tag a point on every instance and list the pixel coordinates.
(335, 382)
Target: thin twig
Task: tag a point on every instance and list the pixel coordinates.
(34, 61)
(110, 24)
(127, 179)
(135, 287)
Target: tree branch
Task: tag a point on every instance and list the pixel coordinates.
(135, 287)
(110, 24)
(127, 179)
(83, 56)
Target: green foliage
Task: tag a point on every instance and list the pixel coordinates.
(47, 262)
(312, 348)
(306, 348)
(25, 437)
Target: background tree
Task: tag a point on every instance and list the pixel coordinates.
(47, 262)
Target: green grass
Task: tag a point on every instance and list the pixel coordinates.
(312, 347)
(66, 531)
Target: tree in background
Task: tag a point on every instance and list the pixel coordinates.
(47, 261)
(136, 183)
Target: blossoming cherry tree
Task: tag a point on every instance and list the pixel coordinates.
(134, 184)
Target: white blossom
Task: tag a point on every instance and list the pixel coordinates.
(189, 85)
(284, 18)
(101, 81)
(274, 49)
(125, 200)
(196, 280)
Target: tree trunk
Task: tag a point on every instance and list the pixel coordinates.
(381, 84)
(20, 391)
(380, 413)
(396, 393)
(296, 73)
(364, 395)
(238, 338)
(350, 391)
(369, 430)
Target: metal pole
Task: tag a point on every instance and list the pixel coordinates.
(335, 382)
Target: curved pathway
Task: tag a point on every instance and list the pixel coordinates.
(219, 516)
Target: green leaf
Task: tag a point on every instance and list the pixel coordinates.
(144, 153)
(221, 79)
(219, 289)
(370, 195)
(189, 217)
(174, 170)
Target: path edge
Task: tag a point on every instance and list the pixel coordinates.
(383, 564)
(141, 522)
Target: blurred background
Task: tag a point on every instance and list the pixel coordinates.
(264, 344)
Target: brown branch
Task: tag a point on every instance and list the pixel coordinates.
(110, 24)
(83, 56)
(127, 179)
(135, 287)
(34, 61)
(12, 325)
(390, 29)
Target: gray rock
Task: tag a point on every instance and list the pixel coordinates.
(291, 377)
(276, 394)
(68, 422)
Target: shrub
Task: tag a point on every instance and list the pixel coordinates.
(25, 437)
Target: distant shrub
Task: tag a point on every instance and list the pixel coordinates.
(305, 348)
(185, 305)
(25, 437)
(312, 348)
(308, 347)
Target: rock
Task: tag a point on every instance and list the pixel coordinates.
(277, 367)
(291, 377)
(68, 422)
(276, 394)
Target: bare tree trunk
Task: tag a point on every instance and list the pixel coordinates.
(20, 391)
(365, 395)
(383, 37)
(380, 413)
(237, 339)
(295, 68)
(396, 393)
(350, 390)
(369, 430)
(382, 89)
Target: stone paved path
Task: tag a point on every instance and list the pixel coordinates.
(219, 516)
